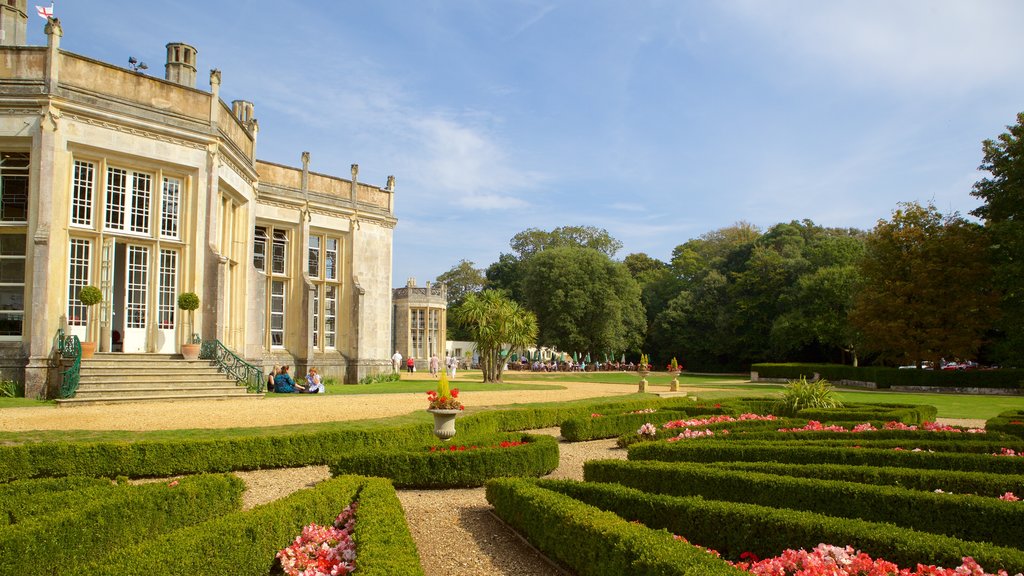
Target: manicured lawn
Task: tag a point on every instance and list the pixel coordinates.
(23, 402)
(413, 386)
(653, 379)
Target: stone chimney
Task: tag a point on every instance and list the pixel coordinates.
(243, 110)
(13, 22)
(181, 64)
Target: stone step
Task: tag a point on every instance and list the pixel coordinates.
(163, 382)
(148, 373)
(142, 363)
(159, 391)
(70, 402)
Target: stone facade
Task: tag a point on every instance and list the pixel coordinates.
(147, 188)
(420, 322)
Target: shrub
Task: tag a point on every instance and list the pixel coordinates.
(800, 394)
(888, 377)
(1011, 422)
(129, 515)
(802, 453)
(12, 389)
(244, 543)
(381, 377)
(20, 507)
(732, 528)
(978, 519)
(592, 542)
(982, 483)
(445, 468)
(586, 427)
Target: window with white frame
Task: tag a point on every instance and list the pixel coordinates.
(331, 259)
(259, 248)
(82, 185)
(417, 331)
(14, 186)
(78, 278)
(135, 295)
(330, 316)
(316, 316)
(12, 284)
(170, 208)
(313, 267)
(167, 289)
(131, 191)
(276, 314)
(279, 252)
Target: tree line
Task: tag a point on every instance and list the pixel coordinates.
(919, 286)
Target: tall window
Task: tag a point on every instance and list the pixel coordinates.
(13, 186)
(279, 254)
(330, 316)
(417, 330)
(167, 289)
(324, 249)
(78, 277)
(128, 190)
(316, 316)
(259, 249)
(276, 314)
(12, 284)
(170, 208)
(81, 193)
(138, 271)
(433, 330)
(314, 257)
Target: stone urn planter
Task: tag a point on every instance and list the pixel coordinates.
(643, 379)
(674, 387)
(444, 422)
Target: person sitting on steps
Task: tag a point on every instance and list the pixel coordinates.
(271, 377)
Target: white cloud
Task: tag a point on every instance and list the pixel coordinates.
(916, 45)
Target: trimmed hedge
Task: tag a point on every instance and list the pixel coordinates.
(592, 542)
(944, 441)
(190, 456)
(976, 518)
(704, 450)
(27, 498)
(421, 468)
(732, 528)
(981, 483)
(63, 542)
(1011, 422)
(905, 413)
(887, 377)
(245, 543)
(612, 425)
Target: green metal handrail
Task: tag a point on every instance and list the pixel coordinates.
(69, 347)
(229, 363)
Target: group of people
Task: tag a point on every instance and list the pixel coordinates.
(570, 366)
(451, 363)
(281, 382)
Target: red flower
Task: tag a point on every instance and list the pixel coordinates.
(455, 392)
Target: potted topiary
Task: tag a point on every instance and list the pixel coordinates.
(89, 296)
(189, 301)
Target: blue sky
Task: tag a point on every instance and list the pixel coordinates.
(657, 120)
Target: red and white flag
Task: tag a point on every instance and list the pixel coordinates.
(44, 11)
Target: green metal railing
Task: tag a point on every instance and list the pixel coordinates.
(69, 347)
(229, 363)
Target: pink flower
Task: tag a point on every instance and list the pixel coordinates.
(1009, 497)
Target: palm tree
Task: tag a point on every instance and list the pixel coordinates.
(494, 322)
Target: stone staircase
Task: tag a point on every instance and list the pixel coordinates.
(109, 378)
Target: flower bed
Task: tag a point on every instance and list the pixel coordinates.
(610, 425)
(445, 467)
(979, 519)
(815, 426)
(322, 550)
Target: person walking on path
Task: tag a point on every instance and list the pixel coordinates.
(434, 363)
(396, 362)
(411, 364)
(453, 366)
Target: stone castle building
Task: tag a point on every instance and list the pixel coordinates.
(148, 188)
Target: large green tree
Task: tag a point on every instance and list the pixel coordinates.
(495, 323)
(584, 301)
(926, 287)
(1003, 213)
(533, 240)
(461, 280)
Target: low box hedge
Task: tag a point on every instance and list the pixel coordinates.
(704, 450)
(1010, 422)
(586, 427)
(63, 542)
(245, 543)
(888, 377)
(733, 528)
(905, 413)
(592, 542)
(980, 483)
(27, 498)
(445, 466)
(976, 518)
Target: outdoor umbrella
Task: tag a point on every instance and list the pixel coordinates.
(587, 359)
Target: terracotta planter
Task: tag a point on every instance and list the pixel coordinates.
(444, 423)
(88, 349)
(190, 351)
